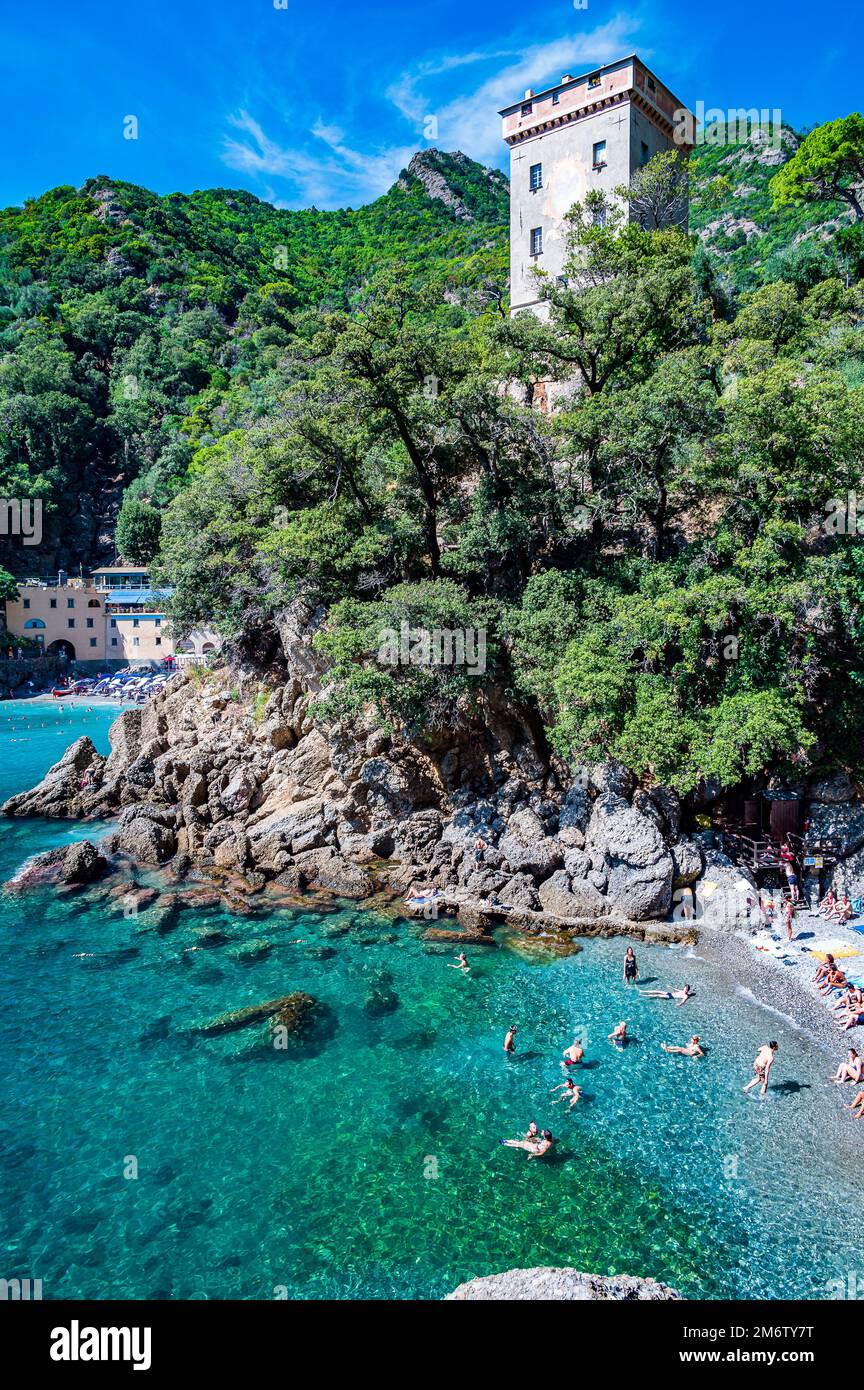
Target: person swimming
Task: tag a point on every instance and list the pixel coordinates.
(682, 995)
(535, 1147)
(692, 1048)
(573, 1054)
(618, 1036)
(762, 1065)
(572, 1093)
(509, 1040)
(460, 963)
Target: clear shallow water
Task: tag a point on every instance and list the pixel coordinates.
(367, 1164)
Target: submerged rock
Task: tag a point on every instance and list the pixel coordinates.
(286, 1011)
(562, 1285)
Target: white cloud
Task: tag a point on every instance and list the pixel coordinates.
(326, 172)
(326, 166)
(470, 121)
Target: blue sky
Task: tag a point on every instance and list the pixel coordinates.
(324, 103)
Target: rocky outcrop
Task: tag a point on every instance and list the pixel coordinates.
(83, 863)
(547, 1284)
(289, 1012)
(234, 776)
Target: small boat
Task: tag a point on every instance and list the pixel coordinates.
(59, 693)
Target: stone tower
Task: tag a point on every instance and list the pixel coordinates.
(589, 132)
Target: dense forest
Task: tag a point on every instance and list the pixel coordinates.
(667, 566)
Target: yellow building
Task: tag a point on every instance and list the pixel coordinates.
(113, 617)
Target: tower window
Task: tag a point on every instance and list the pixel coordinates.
(536, 177)
(527, 108)
(556, 96)
(536, 241)
(600, 154)
(644, 152)
(594, 81)
(651, 85)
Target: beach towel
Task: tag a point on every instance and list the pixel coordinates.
(838, 952)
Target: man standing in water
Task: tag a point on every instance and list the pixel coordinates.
(509, 1043)
(573, 1054)
(762, 1065)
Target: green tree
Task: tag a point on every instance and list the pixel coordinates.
(828, 166)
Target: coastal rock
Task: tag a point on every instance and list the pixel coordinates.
(832, 790)
(686, 863)
(337, 875)
(147, 841)
(725, 895)
(561, 1285)
(837, 823)
(83, 863)
(239, 792)
(611, 777)
(288, 1011)
(571, 898)
(63, 786)
(633, 853)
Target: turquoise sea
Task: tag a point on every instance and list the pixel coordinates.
(367, 1163)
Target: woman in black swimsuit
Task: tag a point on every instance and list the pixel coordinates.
(631, 970)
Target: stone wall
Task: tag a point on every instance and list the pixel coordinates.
(40, 669)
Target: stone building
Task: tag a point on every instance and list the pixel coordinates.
(587, 132)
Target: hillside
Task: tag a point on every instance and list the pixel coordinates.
(121, 311)
(753, 242)
(137, 328)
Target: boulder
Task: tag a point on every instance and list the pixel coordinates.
(147, 841)
(686, 863)
(832, 790)
(288, 1011)
(841, 823)
(725, 896)
(83, 863)
(611, 777)
(337, 875)
(571, 898)
(631, 850)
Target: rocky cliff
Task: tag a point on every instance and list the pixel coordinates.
(227, 772)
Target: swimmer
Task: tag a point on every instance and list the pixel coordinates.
(572, 1093)
(762, 1065)
(682, 995)
(460, 963)
(691, 1050)
(618, 1036)
(573, 1054)
(535, 1148)
(509, 1040)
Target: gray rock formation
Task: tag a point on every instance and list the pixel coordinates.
(547, 1284)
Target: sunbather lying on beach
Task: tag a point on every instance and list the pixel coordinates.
(421, 895)
(535, 1148)
(691, 1050)
(850, 1070)
(682, 995)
